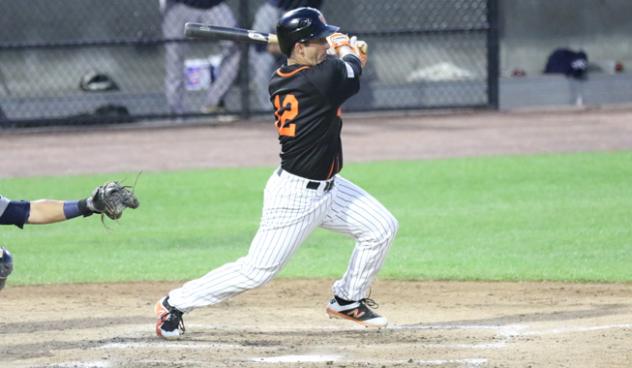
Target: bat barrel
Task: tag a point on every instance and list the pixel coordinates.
(210, 32)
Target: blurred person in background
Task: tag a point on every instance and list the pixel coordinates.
(175, 14)
(264, 59)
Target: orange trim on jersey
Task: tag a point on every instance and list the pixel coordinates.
(289, 74)
(331, 169)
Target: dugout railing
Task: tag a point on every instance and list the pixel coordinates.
(94, 62)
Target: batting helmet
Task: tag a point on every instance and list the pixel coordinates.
(300, 25)
(6, 265)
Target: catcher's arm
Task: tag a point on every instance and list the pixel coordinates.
(46, 211)
(109, 199)
(42, 211)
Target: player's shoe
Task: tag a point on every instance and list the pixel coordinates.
(358, 312)
(170, 324)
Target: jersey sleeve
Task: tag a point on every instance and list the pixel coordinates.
(337, 79)
(15, 212)
(4, 202)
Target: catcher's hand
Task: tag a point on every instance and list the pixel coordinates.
(111, 199)
(6, 266)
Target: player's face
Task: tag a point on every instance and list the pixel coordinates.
(315, 51)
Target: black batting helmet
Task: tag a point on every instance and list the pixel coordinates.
(300, 25)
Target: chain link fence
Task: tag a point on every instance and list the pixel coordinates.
(94, 61)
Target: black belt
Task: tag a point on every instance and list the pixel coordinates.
(314, 184)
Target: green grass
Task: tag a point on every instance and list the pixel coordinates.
(547, 217)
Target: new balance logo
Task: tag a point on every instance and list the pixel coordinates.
(356, 313)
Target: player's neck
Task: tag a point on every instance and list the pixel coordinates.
(296, 61)
(301, 59)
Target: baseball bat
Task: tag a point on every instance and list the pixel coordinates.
(209, 32)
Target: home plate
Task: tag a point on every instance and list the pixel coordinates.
(297, 358)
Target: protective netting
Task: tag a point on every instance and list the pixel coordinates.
(122, 60)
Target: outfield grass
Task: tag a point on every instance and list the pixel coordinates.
(546, 217)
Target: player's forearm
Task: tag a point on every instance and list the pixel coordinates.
(45, 211)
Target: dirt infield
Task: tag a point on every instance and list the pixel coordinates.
(433, 324)
(437, 324)
(364, 139)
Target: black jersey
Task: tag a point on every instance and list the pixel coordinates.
(307, 100)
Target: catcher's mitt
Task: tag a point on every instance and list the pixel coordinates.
(111, 199)
(6, 266)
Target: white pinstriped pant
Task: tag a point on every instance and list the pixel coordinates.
(290, 213)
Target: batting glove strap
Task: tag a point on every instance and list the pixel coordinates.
(337, 40)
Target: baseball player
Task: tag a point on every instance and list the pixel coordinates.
(109, 199)
(306, 191)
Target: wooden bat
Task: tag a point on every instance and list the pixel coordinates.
(209, 32)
